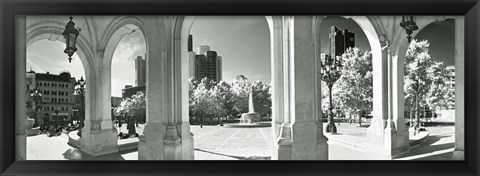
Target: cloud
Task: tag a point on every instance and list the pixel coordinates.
(118, 85)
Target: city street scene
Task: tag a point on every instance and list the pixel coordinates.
(240, 88)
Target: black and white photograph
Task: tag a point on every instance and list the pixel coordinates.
(240, 87)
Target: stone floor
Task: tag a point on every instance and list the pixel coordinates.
(220, 143)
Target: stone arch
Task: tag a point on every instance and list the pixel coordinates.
(43, 29)
(113, 34)
(400, 38)
(372, 32)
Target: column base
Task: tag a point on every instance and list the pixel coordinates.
(282, 148)
(458, 154)
(163, 142)
(187, 142)
(102, 142)
(172, 144)
(387, 141)
(305, 141)
(322, 143)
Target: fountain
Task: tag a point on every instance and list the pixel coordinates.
(251, 118)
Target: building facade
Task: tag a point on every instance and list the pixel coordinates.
(341, 40)
(208, 64)
(57, 95)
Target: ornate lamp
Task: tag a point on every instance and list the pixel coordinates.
(330, 72)
(408, 23)
(70, 34)
(37, 98)
(81, 91)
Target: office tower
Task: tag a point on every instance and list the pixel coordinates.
(340, 41)
(140, 71)
(208, 65)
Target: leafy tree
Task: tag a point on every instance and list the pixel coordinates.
(241, 89)
(262, 98)
(222, 100)
(131, 107)
(353, 91)
(417, 79)
(202, 100)
(439, 94)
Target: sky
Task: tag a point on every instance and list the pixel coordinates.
(242, 41)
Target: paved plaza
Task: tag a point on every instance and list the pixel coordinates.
(223, 143)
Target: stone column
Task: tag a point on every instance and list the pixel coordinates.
(99, 136)
(162, 138)
(387, 134)
(295, 79)
(182, 67)
(375, 133)
(303, 87)
(21, 90)
(459, 152)
(280, 40)
(401, 144)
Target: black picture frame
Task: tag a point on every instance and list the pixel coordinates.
(10, 8)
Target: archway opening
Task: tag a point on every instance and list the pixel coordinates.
(55, 103)
(128, 82)
(239, 48)
(429, 80)
(352, 90)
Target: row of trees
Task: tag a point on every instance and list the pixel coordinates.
(209, 100)
(424, 83)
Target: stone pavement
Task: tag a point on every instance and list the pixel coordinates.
(220, 143)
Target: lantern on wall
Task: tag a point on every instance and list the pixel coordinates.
(408, 23)
(70, 34)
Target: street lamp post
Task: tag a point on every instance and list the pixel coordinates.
(81, 92)
(330, 73)
(37, 98)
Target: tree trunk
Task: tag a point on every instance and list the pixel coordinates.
(359, 115)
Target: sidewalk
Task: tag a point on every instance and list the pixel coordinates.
(219, 143)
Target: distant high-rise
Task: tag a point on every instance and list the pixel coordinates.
(208, 64)
(140, 71)
(340, 40)
(190, 43)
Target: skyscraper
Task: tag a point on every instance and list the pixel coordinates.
(208, 64)
(340, 40)
(140, 71)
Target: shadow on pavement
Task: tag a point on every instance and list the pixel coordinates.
(237, 157)
(428, 147)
